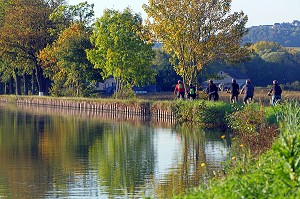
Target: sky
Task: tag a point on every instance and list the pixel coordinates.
(260, 12)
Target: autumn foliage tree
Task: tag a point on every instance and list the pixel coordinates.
(23, 32)
(120, 48)
(66, 64)
(197, 32)
(64, 61)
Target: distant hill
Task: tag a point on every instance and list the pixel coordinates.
(286, 34)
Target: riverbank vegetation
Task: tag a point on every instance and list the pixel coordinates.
(265, 157)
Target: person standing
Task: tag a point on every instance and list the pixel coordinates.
(192, 92)
(179, 89)
(212, 91)
(234, 89)
(275, 92)
(248, 90)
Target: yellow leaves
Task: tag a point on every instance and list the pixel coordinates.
(73, 31)
(185, 28)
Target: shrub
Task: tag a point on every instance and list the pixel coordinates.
(295, 86)
(252, 128)
(207, 114)
(125, 93)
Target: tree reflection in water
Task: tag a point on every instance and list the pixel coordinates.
(68, 153)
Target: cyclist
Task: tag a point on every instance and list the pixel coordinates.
(275, 92)
(179, 90)
(192, 92)
(212, 91)
(234, 90)
(248, 90)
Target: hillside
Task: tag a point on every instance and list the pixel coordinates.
(286, 34)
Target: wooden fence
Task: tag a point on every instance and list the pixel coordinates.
(113, 108)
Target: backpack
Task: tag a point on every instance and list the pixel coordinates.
(180, 86)
(192, 91)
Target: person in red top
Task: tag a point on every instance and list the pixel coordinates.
(179, 89)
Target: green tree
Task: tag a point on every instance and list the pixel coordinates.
(272, 52)
(197, 32)
(23, 32)
(166, 77)
(65, 15)
(64, 61)
(121, 49)
(271, 61)
(286, 34)
(66, 64)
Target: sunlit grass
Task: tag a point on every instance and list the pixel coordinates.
(274, 174)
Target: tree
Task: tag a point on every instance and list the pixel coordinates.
(286, 34)
(197, 32)
(66, 63)
(65, 15)
(166, 77)
(23, 32)
(121, 49)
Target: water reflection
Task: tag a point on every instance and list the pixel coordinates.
(56, 153)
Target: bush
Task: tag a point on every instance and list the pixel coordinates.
(125, 93)
(204, 113)
(294, 86)
(253, 128)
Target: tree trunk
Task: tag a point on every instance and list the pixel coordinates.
(25, 83)
(40, 79)
(2, 88)
(47, 85)
(33, 83)
(5, 88)
(18, 84)
(11, 86)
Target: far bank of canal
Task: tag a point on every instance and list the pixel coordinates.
(161, 110)
(200, 112)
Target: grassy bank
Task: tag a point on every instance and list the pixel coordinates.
(275, 173)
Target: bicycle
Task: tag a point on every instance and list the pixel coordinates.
(275, 100)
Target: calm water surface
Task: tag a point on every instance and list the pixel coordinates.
(57, 153)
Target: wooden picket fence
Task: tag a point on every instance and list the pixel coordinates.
(113, 108)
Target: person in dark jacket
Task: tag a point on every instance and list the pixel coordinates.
(275, 92)
(234, 89)
(248, 90)
(192, 92)
(212, 91)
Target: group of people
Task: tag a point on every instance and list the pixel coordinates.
(248, 91)
(180, 91)
(233, 89)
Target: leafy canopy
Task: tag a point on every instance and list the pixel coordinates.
(120, 48)
(197, 32)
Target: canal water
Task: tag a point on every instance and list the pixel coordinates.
(62, 153)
